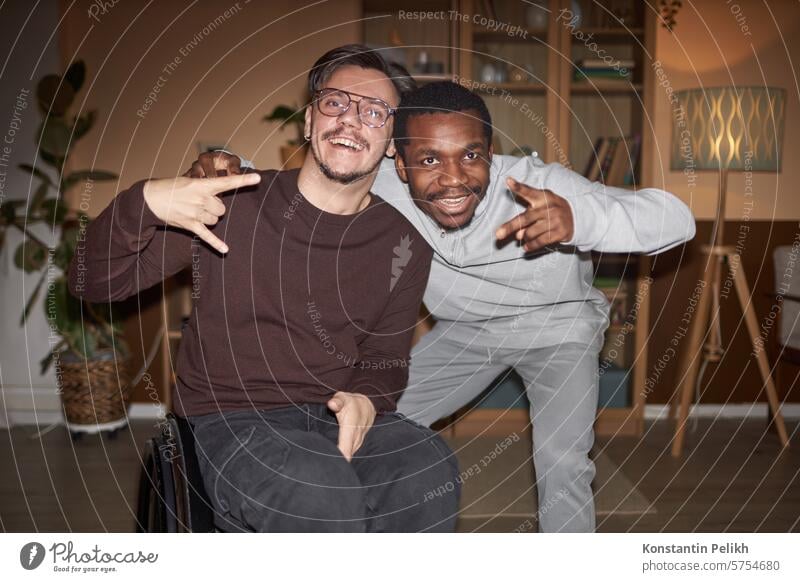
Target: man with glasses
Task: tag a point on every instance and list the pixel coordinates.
(511, 279)
(297, 347)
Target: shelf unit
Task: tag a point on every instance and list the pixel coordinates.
(527, 81)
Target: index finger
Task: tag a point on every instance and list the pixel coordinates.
(226, 183)
(520, 221)
(524, 191)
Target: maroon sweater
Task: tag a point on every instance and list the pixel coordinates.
(306, 303)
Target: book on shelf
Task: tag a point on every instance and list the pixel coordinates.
(604, 64)
(607, 284)
(582, 74)
(604, 69)
(613, 160)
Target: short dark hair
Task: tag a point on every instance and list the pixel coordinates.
(358, 55)
(439, 97)
(401, 78)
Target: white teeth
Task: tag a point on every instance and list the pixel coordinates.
(347, 142)
(452, 201)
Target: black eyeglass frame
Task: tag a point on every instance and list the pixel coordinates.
(350, 95)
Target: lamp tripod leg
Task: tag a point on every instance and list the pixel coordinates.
(743, 291)
(692, 355)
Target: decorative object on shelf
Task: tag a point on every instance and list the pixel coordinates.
(421, 65)
(724, 129)
(294, 152)
(90, 356)
(424, 66)
(536, 16)
(577, 14)
(668, 10)
(493, 73)
(487, 73)
(518, 76)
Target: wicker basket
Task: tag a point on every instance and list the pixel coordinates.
(94, 392)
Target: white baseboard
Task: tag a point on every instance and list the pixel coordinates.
(791, 411)
(41, 406)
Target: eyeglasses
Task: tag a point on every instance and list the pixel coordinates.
(372, 112)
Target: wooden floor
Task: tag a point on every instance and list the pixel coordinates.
(733, 478)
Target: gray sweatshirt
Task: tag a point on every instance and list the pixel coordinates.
(499, 296)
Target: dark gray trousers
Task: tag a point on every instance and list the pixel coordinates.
(281, 471)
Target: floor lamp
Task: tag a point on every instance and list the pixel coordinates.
(724, 129)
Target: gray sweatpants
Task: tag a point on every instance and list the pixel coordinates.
(562, 388)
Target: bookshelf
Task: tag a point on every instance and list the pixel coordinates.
(523, 60)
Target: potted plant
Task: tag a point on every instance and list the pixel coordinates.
(87, 350)
(294, 152)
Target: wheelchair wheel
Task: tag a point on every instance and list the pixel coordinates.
(151, 511)
(171, 495)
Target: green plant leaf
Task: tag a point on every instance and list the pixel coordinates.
(83, 124)
(45, 362)
(30, 256)
(55, 137)
(75, 75)
(8, 212)
(54, 161)
(83, 175)
(282, 113)
(62, 255)
(37, 199)
(53, 211)
(36, 172)
(89, 345)
(63, 312)
(54, 95)
(32, 299)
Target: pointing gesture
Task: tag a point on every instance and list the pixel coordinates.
(548, 219)
(192, 204)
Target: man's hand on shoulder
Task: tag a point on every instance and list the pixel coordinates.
(192, 204)
(213, 164)
(355, 414)
(548, 219)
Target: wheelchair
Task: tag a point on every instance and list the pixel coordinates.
(171, 496)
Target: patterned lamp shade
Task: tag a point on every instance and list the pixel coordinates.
(728, 128)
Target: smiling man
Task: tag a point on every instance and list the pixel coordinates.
(298, 343)
(511, 279)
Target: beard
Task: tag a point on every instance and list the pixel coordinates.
(343, 178)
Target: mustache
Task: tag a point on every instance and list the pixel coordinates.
(455, 193)
(330, 134)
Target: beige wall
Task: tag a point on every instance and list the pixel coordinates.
(709, 48)
(227, 80)
(252, 61)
